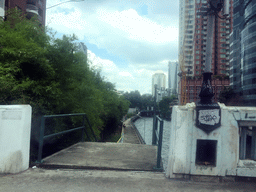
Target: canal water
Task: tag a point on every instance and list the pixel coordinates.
(145, 127)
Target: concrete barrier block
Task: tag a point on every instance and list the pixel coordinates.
(15, 128)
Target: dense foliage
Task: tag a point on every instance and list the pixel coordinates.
(142, 102)
(52, 76)
(165, 107)
(230, 98)
(146, 102)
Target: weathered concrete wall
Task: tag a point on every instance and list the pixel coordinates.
(183, 143)
(15, 127)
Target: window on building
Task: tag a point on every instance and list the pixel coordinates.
(222, 40)
(40, 12)
(247, 142)
(32, 2)
(223, 50)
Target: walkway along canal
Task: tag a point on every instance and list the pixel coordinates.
(145, 127)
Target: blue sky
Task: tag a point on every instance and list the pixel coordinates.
(127, 39)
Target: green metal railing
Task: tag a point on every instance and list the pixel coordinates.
(157, 137)
(42, 130)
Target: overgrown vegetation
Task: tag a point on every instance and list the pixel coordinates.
(146, 102)
(52, 76)
(165, 107)
(142, 102)
(230, 98)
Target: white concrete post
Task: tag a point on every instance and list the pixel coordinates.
(15, 128)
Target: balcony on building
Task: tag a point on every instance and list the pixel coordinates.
(32, 9)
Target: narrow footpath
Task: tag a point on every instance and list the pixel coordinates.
(130, 135)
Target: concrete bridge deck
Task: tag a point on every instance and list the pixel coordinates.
(111, 156)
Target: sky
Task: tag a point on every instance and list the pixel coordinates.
(128, 40)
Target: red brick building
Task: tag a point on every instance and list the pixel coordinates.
(192, 49)
(29, 7)
(193, 88)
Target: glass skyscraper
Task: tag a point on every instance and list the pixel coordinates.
(243, 50)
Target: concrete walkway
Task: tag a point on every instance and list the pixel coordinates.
(129, 155)
(37, 180)
(110, 156)
(130, 135)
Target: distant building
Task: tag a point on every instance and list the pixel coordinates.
(29, 7)
(82, 47)
(159, 79)
(172, 86)
(243, 51)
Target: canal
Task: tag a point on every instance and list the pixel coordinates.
(145, 127)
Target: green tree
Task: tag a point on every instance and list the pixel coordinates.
(165, 107)
(53, 77)
(230, 98)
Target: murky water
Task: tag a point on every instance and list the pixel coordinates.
(145, 127)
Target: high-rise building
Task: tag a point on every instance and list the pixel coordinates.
(82, 47)
(174, 90)
(29, 7)
(192, 49)
(159, 79)
(169, 75)
(172, 74)
(243, 51)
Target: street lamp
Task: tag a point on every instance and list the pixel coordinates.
(64, 2)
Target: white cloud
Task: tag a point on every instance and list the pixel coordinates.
(137, 27)
(128, 79)
(146, 42)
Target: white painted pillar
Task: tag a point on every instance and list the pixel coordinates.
(15, 128)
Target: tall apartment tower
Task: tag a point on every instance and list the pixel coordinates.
(172, 71)
(169, 75)
(159, 79)
(29, 7)
(192, 49)
(243, 49)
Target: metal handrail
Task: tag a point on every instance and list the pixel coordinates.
(42, 128)
(157, 138)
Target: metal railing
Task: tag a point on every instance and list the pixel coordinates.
(157, 137)
(42, 130)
